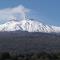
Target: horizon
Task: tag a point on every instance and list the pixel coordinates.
(45, 11)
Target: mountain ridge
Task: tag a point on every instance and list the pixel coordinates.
(28, 25)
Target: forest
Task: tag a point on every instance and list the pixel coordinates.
(29, 56)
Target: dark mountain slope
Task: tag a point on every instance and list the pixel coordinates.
(29, 42)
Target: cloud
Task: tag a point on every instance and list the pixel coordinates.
(11, 12)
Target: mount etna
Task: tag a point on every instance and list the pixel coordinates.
(29, 36)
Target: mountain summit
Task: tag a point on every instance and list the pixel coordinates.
(28, 25)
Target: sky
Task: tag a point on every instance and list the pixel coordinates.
(46, 11)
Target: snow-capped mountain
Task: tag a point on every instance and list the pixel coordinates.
(28, 25)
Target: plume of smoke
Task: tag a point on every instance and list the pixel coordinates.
(11, 18)
(10, 12)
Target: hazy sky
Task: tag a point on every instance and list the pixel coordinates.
(47, 11)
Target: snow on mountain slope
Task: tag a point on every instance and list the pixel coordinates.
(57, 29)
(9, 26)
(28, 25)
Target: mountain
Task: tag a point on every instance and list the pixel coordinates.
(28, 25)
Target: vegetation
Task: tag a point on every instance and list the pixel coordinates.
(30, 56)
(20, 42)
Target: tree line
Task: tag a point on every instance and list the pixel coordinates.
(30, 56)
